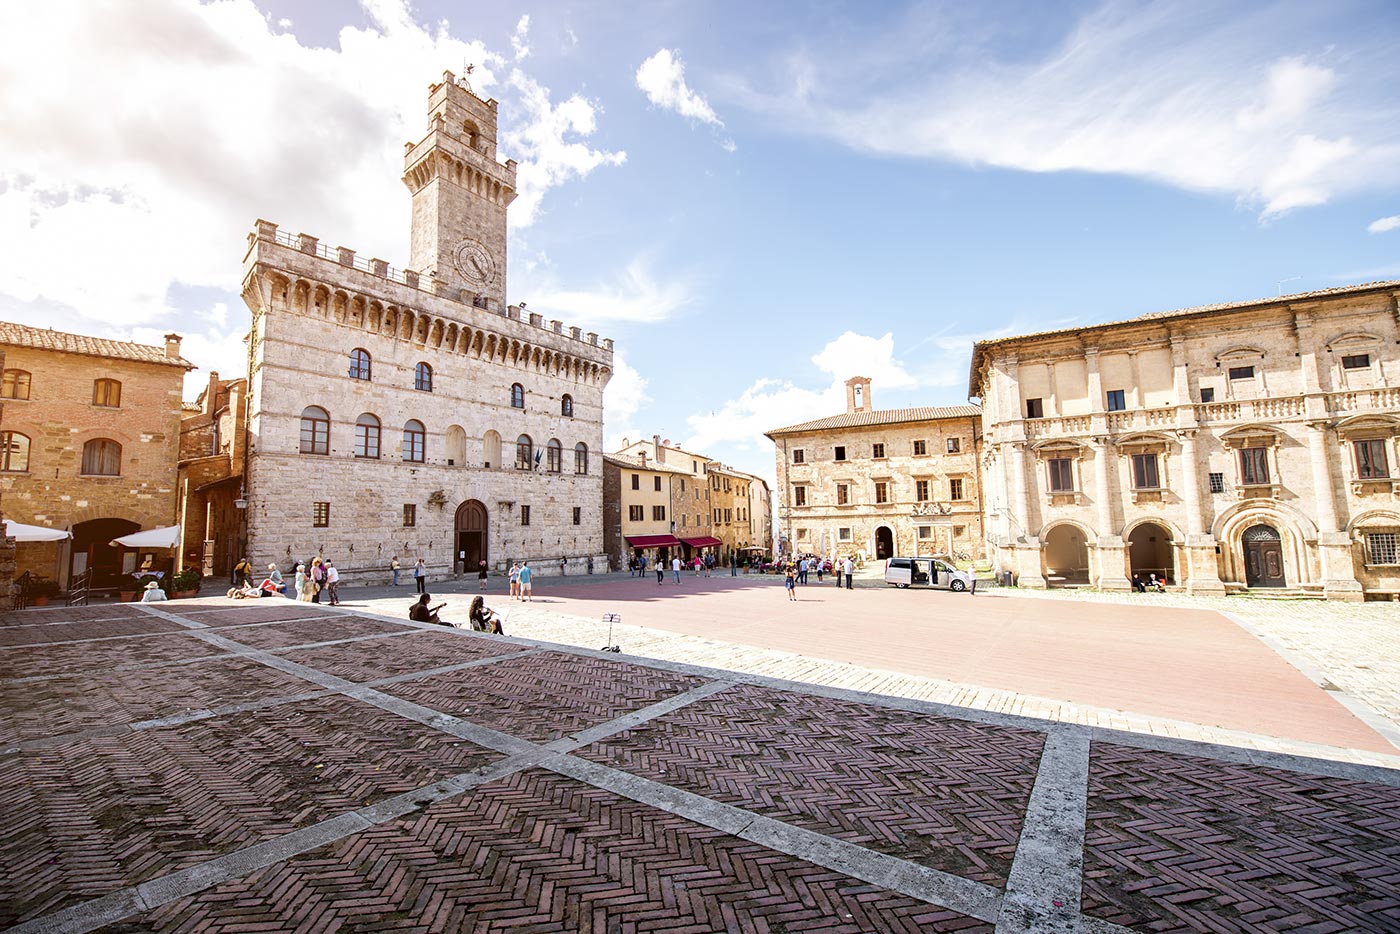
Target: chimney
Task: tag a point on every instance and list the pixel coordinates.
(211, 395)
(660, 451)
(172, 346)
(858, 395)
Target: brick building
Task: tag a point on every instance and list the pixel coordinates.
(412, 413)
(689, 496)
(1234, 446)
(880, 483)
(640, 492)
(88, 443)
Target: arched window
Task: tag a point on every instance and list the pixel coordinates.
(566, 407)
(491, 449)
(413, 441)
(423, 378)
(107, 392)
(555, 455)
(359, 363)
(523, 453)
(102, 457)
(315, 430)
(14, 452)
(15, 385)
(517, 396)
(580, 458)
(456, 446)
(367, 436)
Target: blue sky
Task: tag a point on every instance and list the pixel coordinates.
(756, 201)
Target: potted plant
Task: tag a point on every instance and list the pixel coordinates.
(186, 583)
(41, 589)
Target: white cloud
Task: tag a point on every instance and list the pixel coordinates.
(1384, 224)
(1190, 95)
(634, 294)
(623, 398)
(520, 41)
(123, 175)
(662, 79)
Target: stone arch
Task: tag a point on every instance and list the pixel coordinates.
(449, 337)
(1151, 548)
(321, 301)
(280, 287)
(1297, 533)
(1064, 552)
(407, 320)
(340, 306)
(301, 296)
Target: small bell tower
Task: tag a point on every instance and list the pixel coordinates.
(460, 193)
(858, 394)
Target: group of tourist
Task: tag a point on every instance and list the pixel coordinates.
(795, 572)
(321, 577)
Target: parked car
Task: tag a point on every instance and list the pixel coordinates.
(928, 572)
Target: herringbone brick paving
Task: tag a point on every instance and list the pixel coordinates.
(321, 629)
(1179, 843)
(65, 705)
(34, 661)
(539, 852)
(85, 818)
(96, 629)
(383, 658)
(216, 615)
(943, 793)
(544, 696)
(69, 614)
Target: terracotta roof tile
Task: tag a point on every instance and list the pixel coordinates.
(882, 417)
(20, 335)
(635, 463)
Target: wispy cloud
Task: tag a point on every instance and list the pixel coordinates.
(662, 79)
(1384, 224)
(520, 40)
(633, 294)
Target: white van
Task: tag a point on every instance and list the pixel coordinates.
(928, 572)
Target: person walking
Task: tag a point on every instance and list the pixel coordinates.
(790, 582)
(563, 567)
(481, 574)
(332, 579)
(243, 572)
(699, 563)
(394, 568)
(802, 571)
(525, 577)
(420, 576)
(641, 565)
(318, 578)
(676, 568)
(709, 562)
(849, 567)
(514, 579)
(660, 571)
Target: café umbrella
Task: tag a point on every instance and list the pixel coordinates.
(167, 537)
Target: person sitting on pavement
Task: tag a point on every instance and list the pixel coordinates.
(420, 612)
(153, 593)
(483, 618)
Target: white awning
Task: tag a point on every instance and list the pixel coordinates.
(167, 537)
(33, 533)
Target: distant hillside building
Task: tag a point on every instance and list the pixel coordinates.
(1228, 447)
(881, 483)
(89, 441)
(412, 413)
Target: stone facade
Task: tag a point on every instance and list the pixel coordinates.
(760, 514)
(642, 492)
(409, 413)
(213, 451)
(92, 436)
(1234, 446)
(871, 482)
(731, 510)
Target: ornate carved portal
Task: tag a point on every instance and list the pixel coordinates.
(1263, 557)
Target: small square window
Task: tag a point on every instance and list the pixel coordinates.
(955, 489)
(920, 448)
(1356, 361)
(959, 531)
(1217, 483)
(954, 445)
(658, 513)
(578, 515)
(1035, 408)
(1242, 372)
(410, 515)
(925, 532)
(877, 451)
(635, 513)
(524, 515)
(843, 534)
(321, 515)
(799, 456)
(1382, 548)
(840, 452)
(1116, 400)
(1207, 394)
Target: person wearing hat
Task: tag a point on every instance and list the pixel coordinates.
(153, 593)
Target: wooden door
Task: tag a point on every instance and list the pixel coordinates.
(1264, 564)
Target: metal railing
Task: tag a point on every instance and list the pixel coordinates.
(19, 592)
(79, 587)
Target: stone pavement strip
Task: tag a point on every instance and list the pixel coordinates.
(217, 766)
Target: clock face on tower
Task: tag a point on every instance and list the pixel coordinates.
(474, 263)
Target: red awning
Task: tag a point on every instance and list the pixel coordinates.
(702, 542)
(653, 541)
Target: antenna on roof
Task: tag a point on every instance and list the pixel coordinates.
(1289, 279)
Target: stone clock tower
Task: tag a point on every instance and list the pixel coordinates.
(460, 193)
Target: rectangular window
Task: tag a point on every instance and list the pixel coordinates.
(920, 448)
(843, 494)
(801, 535)
(882, 492)
(925, 532)
(524, 515)
(1217, 483)
(578, 515)
(1061, 475)
(682, 484)
(1242, 372)
(108, 392)
(1035, 408)
(954, 445)
(799, 456)
(656, 483)
(921, 490)
(1207, 394)
(843, 534)
(716, 518)
(1116, 401)
(840, 452)
(799, 496)
(321, 515)
(636, 482)
(728, 515)
(1145, 472)
(658, 513)
(1254, 466)
(410, 515)
(1382, 548)
(877, 451)
(1371, 463)
(636, 513)
(955, 489)
(1356, 361)
(685, 518)
(959, 531)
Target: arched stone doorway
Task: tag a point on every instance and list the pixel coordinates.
(1263, 557)
(884, 543)
(470, 533)
(92, 550)
(1150, 552)
(1066, 556)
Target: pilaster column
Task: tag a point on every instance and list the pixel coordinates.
(1138, 399)
(1109, 547)
(1102, 492)
(1191, 483)
(1333, 545)
(1020, 499)
(1322, 477)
